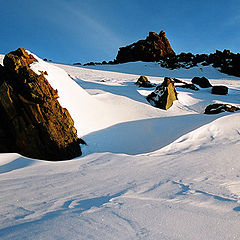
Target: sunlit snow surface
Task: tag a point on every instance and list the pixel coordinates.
(146, 173)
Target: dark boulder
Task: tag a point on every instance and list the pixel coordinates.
(219, 108)
(220, 90)
(151, 49)
(182, 84)
(201, 82)
(144, 82)
(31, 117)
(189, 86)
(164, 95)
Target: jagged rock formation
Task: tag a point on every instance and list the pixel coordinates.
(219, 108)
(220, 90)
(201, 82)
(33, 123)
(226, 61)
(164, 94)
(144, 82)
(151, 49)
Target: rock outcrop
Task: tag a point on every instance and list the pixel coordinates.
(164, 95)
(225, 61)
(32, 121)
(144, 82)
(151, 49)
(219, 108)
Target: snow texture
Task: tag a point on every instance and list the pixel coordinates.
(146, 173)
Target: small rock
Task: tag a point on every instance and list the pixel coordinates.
(220, 90)
(201, 82)
(219, 107)
(144, 82)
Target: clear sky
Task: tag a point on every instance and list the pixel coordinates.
(71, 31)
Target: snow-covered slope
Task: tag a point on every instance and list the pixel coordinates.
(145, 174)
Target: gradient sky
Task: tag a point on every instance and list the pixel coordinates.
(71, 31)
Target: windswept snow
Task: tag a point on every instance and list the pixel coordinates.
(146, 173)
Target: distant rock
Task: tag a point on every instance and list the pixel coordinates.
(32, 120)
(201, 82)
(219, 108)
(164, 95)
(151, 49)
(182, 84)
(144, 82)
(220, 90)
(189, 86)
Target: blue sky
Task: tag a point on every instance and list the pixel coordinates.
(71, 31)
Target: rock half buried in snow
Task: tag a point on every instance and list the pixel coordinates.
(219, 107)
(33, 120)
(201, 82)
(220, 90)
(144, 82)
(164, 95)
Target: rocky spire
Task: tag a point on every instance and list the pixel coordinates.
(151, 49)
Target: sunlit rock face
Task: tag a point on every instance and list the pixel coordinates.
(33, 123)
(164, 95)
(151, 49)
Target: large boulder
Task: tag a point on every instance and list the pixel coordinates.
(219, 108)
(201, 82)
(164, 95)
(151, 49)
(32, 120)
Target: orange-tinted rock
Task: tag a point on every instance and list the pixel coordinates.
(151, 49)
(37, 125)
(144, 82)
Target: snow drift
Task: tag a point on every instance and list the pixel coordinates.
(146, 173)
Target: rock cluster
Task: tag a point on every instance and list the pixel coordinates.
(226, 61)
(151, 49)
(204, 83)
(33, 123)
(164, 95)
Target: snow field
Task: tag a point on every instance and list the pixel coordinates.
(146, 173)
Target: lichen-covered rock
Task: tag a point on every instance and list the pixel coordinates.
(144, 82)
(164, 95)
(219, 108)
(201, 82)
(151, 49)
(36, 124)
(220, 90)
